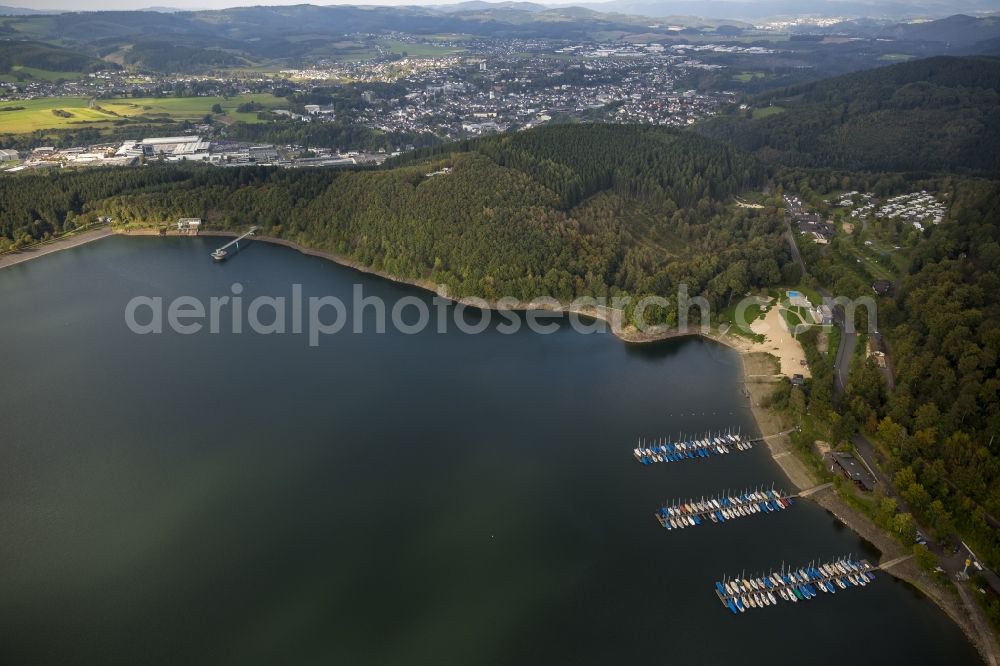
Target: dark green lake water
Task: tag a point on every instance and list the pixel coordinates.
(380, 499)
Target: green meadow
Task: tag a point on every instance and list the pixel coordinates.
(74, 112)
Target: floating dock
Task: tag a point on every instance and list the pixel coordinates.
(722, 508)
(663, 450)
(793, 585)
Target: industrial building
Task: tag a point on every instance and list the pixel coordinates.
(169, 147)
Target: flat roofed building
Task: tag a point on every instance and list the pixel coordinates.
(849, 466)
(160, 140)
(189, 224)
(173, 145)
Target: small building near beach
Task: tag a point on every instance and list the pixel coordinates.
(189, 225)
(848, 465)
(822, 315)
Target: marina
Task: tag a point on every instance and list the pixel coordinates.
(663, 450)
(680, 515)
(793, 585)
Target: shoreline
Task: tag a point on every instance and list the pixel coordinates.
(779, 446)
(790, 465)
(608, 315)
(781, 449)
(51, 247)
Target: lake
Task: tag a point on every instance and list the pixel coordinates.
(381, 498)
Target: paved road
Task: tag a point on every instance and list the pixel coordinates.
(953, 563)
(848, 341)
(887, 374)
(866, 451)
(845, 353)
(950, 562)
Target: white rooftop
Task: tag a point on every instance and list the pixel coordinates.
(170, 139)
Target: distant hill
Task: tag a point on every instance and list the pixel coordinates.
(755, 10)
(193, 41)
(934, 114)
(479, 5)
(22, 11)
(294, 31)
(167, 57)
(958, 30)
(279, 22)
(38, 55)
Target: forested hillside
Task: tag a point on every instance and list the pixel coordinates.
(639, 162)
(163, 56)
(944, 413)
(37, 55)
(937, 114)
(942, 326)
(41, 205)
(562, 211)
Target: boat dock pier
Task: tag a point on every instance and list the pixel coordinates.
(663, 450)
(679, 515)
(222, 253)
(793, 585)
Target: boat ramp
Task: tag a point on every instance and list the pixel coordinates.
(793, 585)
(722, 508)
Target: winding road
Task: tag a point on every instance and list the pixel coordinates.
(848, 341)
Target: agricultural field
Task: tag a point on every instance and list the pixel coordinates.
(18, 72)
(764, 112)
(418, 50)
(74, 112)
(747, 77)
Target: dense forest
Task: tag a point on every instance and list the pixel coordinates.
(868, 120)
(164, 56)
(941, 323)
(46, 204)
(38, 55)
(941, 419)
(563, 211)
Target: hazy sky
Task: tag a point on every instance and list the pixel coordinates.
(91, 5)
